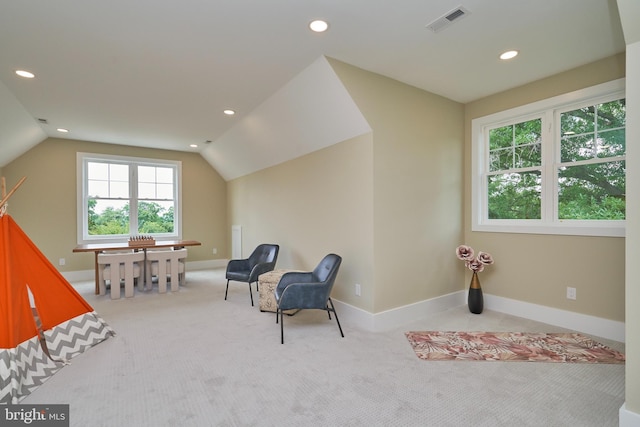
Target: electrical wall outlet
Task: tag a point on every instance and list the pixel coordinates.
(571, 293)
(358, 290)
(215, 251)
(61, 261)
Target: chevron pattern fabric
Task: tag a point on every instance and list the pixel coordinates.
(23, 369)
(74, 336)
(27, 366)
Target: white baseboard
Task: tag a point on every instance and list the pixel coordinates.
(385, 320)
(393, 318)
(205, 265)
(79, 275)
(591, 325)
(627, 418)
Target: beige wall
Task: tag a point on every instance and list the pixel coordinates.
(399, 190)
(45, 205)
(538, 268)
(417, 173)
(311, 206)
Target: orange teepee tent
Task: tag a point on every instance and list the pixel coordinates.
(37, 305)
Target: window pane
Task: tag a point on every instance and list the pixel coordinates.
(500, 137)
(155, 217)
(527, 156)
(528, 132)
(146, 191)
(500, 160)
(515, 146)
(574, 148)
(578, 121)
(146, 174)
(119, 173)
(515, 196)
(612, 115)
(611, 143)
(592, 192)
(107, 217)
(98, 188)
(165, 191)
(119, 190)
(97, 170)
(164, 175)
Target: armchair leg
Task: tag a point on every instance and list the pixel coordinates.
(334, 312)
(281, 327)
(227, 291)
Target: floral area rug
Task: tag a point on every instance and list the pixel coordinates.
(511, 347)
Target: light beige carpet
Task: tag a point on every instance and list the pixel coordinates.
(193, 359)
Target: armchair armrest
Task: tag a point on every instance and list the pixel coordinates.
(298, 295)
(261, 268)
(238, 265)
(292, 277)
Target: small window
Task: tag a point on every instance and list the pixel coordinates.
(121, 197)
(556, 166)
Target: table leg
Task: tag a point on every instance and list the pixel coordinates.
(144, 272)
(97, 274)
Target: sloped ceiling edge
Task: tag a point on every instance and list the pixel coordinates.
(19, 132)
(629, 11)
(311, 112)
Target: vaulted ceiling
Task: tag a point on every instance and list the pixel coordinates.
(159, 73)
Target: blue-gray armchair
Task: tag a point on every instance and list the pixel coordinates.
(302, 290)
(262, 259)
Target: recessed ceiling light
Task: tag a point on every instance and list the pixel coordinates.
(509, 54)
(193, 145)
(62, 130)
(229, 112)
(318, 26)
(26, 74)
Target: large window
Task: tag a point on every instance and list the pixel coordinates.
(120, 197)
(556, 166)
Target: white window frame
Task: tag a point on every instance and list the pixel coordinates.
(82, 159)
(548, 110)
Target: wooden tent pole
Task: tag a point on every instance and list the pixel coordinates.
(5, 198)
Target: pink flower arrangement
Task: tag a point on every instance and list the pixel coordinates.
(475, 264)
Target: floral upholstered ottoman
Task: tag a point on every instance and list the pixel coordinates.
(267, 283)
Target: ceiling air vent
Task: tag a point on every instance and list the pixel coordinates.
(43, 121)
(448, 19)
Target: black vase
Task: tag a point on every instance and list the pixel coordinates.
(475, 302)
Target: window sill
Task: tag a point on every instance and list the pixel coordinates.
(557, 229)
